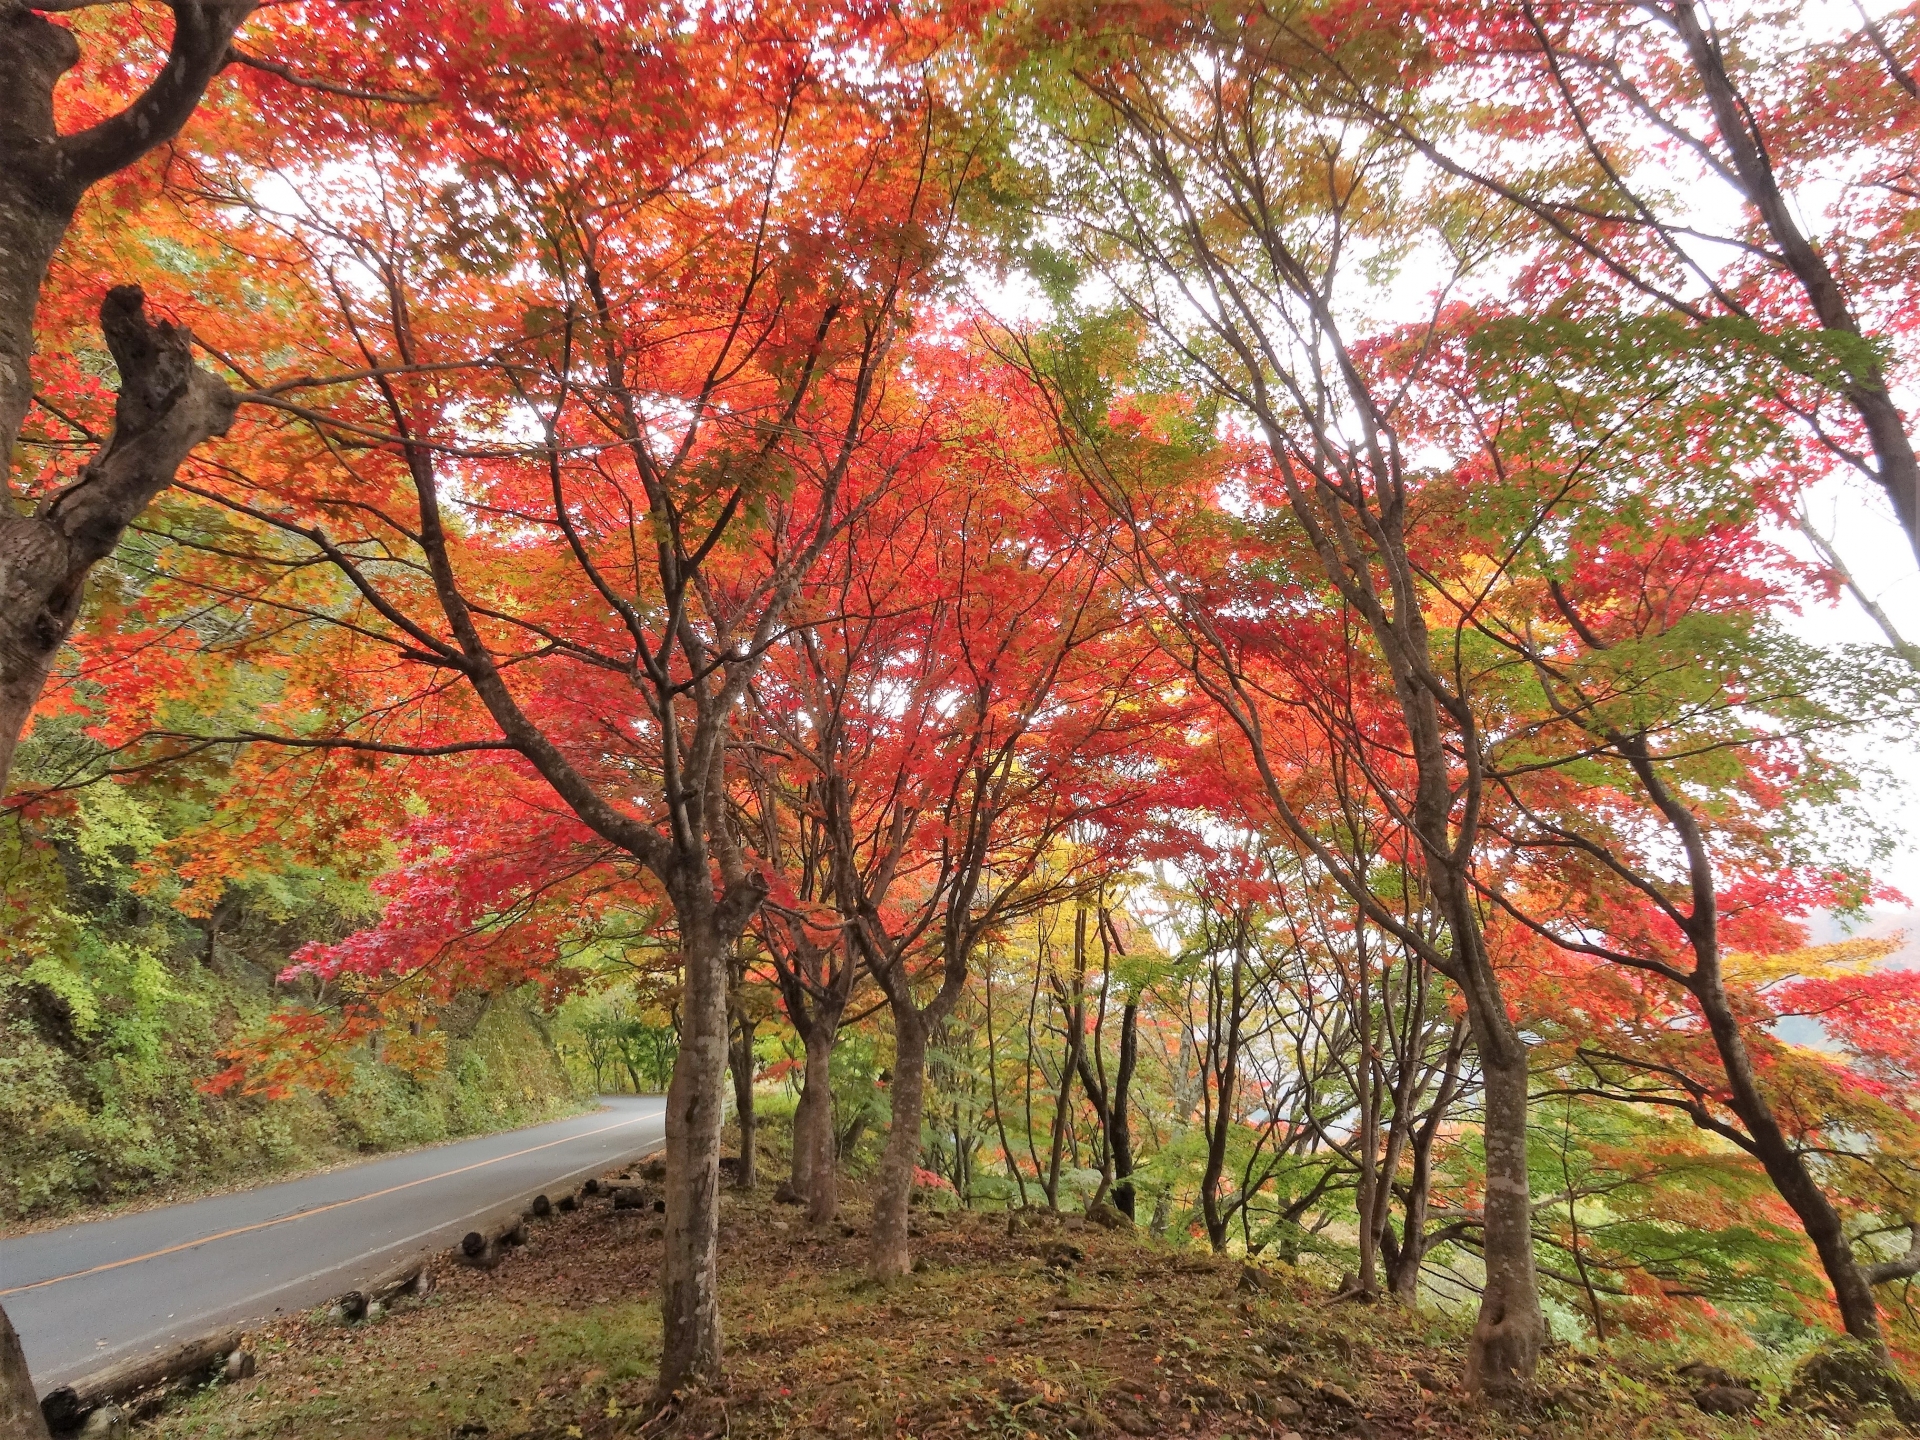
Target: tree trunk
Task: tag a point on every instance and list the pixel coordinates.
(20, 1417)
(691, 1349)
(1367, 1138)
(1063, 1102)
(1403, 1273)
(1225, 1069)
(816, 1175)
(1787, 1169)
(740, 1062)
(35, 206)
(1119, 1126)
(894, 1192)
(166, 406)
(1505, 1347)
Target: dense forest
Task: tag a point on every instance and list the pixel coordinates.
(1187, 613)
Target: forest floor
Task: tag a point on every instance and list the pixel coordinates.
(1056, 1329)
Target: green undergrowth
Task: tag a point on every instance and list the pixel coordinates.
(1041, 1327)
(118, 999)
(107, 1107)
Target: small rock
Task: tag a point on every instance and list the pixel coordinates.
(239, 1366)
(1061, 1255)
(1727, 1399)
(1258, 1281)
(1566, 1397)
(1845, 1375)
(375, 1310)
(109, 1422)
(1704, 1373)
(1108, 1216)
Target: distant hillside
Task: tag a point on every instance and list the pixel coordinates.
(1879, 925)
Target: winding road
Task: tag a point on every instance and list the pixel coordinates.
(87, 1295)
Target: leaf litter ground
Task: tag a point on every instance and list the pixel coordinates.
(1055, 1329)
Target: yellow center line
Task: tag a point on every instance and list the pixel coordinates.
(320, 1209)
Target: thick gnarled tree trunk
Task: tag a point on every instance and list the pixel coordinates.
(20, 1417)
(167, 406)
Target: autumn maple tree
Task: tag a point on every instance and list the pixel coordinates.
(1284, 734)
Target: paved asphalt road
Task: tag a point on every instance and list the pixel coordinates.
(86, 1295)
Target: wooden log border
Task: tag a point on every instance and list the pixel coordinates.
(142, 1384)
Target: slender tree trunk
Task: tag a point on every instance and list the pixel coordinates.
(1119, 1125)
(1226, 1073)
(893, 1194)
(1368, 1140)
(1404, 1276)
(740, 1062)
(1063, 1101)
(1787, 1169)
(993, 1091)
(691, 1344)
